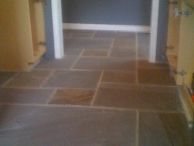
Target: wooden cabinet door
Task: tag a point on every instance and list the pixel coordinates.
(173, 36)
(186, 46)
(37, 30)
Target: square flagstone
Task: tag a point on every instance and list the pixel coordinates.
(164, 129)
(34, 79)
(102, 53)
(72, 97)
(30, 96)
(5, 76)
(155, 77)
(119, 77)
(74, 79)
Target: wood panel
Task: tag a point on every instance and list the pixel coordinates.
(186, 47)
(173, 36)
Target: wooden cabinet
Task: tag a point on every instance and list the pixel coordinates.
(180, 48)
(22, 36)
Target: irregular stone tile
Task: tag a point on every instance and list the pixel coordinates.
(161, 129)
(106, 64)
(143, 45)
(82, 35)
(136, 97)
(123, 47)
(30, 96)
(114, 34)
(145, 63)
(155, 76)
(34, 78)
(5, 76)
(78, 31)
(64, 63)
(102, 53)
(34, 125)
(119, 77)
(72, 52)
(74, 79)
(72, 97)
(67, 35)
(125, 42)
(158, 98)
(122, 53)
(79, 43)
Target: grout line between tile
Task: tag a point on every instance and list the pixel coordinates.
(90, 107)
(10, 79)
(93, 35)
(73, 65)
(136, 58)
(47, 78)
(137, 129)
(111, 46)
(51, 96)
(95, 94)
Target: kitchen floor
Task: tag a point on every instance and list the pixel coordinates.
(103, 93)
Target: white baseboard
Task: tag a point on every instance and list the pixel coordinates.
(130, 28)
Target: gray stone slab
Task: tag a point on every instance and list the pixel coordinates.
(5, 76)
(123, 53)
(34, 78)
(137, 97)
(114, 34)
(80, 43)
(106, 64)
(72, 97)
(155, 76)
(33, 125)
(164, 129)
(74, 79)
(30, 96)
(64, 63)
(101, 53)
(119, 77)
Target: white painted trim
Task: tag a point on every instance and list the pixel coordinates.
(57, 28)
(154, 30)
(131, 28)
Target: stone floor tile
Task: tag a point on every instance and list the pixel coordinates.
(78, 31)
(34, 79)
(155, 76)
(136, 97)
(125, 42)
(72, 97)
(74, 79)
(72, 52)
(106, 64)
(122, 53)
(82, 35)
(164, 129)
(143, 45)
(79, 43)
(34, 125)
(114, 34)
(145, 63)
(64, 63)
(30, 96)
(5, 76)
(102, 53)
(119, 77)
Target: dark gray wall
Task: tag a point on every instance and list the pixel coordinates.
(162, 30)
(123, 12)
(49, 30)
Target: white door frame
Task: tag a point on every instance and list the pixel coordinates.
(58, 29)
(154, 30)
